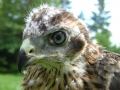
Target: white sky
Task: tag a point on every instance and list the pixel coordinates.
(87, 6)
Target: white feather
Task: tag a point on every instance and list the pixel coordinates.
(31, 82)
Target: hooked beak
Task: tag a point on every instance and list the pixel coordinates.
(25, 54)
(22, 60)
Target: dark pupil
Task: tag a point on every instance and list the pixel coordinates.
(58, 37)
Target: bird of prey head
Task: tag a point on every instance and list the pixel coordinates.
(58, 53)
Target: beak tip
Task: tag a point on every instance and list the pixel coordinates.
(19, 68)
(22, 60)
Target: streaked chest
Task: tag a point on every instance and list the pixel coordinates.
(55, 79)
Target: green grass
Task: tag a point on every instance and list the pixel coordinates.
(10, 82)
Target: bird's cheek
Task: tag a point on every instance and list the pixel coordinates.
(77, 47)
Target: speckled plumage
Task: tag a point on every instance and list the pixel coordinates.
(59, 54)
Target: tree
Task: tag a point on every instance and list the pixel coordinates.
(100, 27)
(12, 13)
(81, 15)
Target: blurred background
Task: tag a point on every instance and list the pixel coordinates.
(99, 15)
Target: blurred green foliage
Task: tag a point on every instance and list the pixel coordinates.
(12, 14)
(100, 27)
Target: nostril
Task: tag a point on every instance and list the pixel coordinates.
(31, 51)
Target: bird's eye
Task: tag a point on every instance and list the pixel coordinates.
(58, 38)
